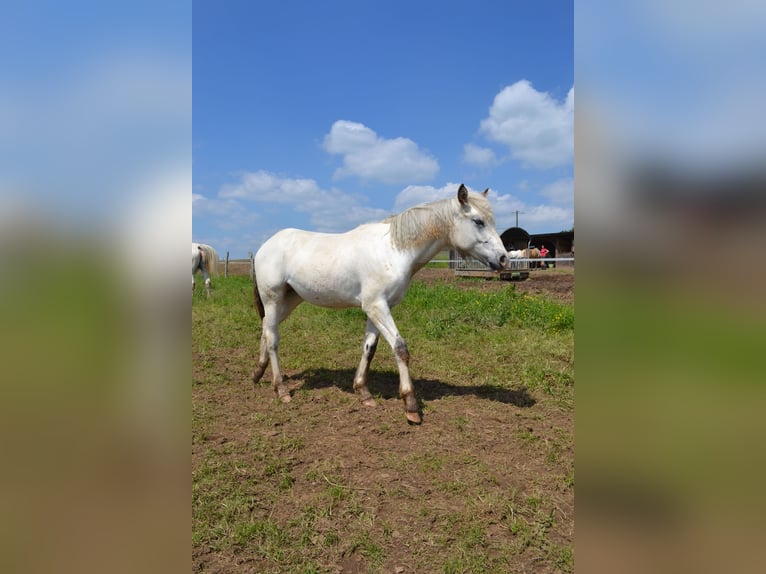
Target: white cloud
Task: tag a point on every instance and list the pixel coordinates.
(330, 210)
(368, 156)
(227, 213)
(560, 192)
(502, 205)
(537, 130)
(479, 156)
(202, 205)
(416, 194)
(505, 207)
(554, 215)
(338, 217)
(546, 218)
(541, 218)
(267, 187)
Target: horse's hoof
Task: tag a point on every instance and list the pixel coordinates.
(413, 418)
(369, 403)
(285, 398)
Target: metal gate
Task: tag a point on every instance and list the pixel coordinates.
(516, 269)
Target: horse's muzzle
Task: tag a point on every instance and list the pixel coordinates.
(501, 263)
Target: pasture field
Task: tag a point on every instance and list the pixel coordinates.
(325, 485)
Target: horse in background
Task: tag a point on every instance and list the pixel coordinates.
(533, 253)
(204, 259)
(370, 267)
(528, 253)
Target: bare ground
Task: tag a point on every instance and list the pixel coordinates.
(484, 484)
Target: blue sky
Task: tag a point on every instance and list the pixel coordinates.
(326, 115)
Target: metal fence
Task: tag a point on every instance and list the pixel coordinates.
(525, 264)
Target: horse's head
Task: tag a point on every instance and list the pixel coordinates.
(474, 231)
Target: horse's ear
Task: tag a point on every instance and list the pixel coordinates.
(485, 192)
(462, 194)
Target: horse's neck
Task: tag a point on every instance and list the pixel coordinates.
(421, 233)
(424, 252)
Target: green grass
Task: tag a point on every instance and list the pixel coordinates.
(305, 486)
(449, 310)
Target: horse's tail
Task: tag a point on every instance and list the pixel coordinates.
(257, 297)
(211, 259)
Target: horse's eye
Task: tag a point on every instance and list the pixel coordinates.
(478, 222)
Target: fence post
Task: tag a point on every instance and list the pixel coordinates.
(226, 266)
(252, 265)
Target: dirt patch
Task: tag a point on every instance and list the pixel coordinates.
(480, 478)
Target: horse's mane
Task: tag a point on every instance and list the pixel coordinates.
(430, 221)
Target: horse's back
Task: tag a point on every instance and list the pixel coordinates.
(328, 269)
(296, 249)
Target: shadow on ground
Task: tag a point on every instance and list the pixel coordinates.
(386, 384)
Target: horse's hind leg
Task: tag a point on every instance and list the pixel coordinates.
(207, 280)
(271, 338)
(368, 352)
(263, 359)
(275, 311)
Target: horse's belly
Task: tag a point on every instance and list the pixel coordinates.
(327, 299)
(332, 293)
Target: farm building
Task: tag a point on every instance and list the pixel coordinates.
(514, 238)
(559, 244)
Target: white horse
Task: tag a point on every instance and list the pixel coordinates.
(204, 259)
(368, 267)
(516, 254)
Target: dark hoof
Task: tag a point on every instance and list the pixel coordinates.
(413, 418)
(257, 374)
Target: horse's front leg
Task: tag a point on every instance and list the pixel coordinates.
(368, 352)
(380, 315)
(406, 390)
